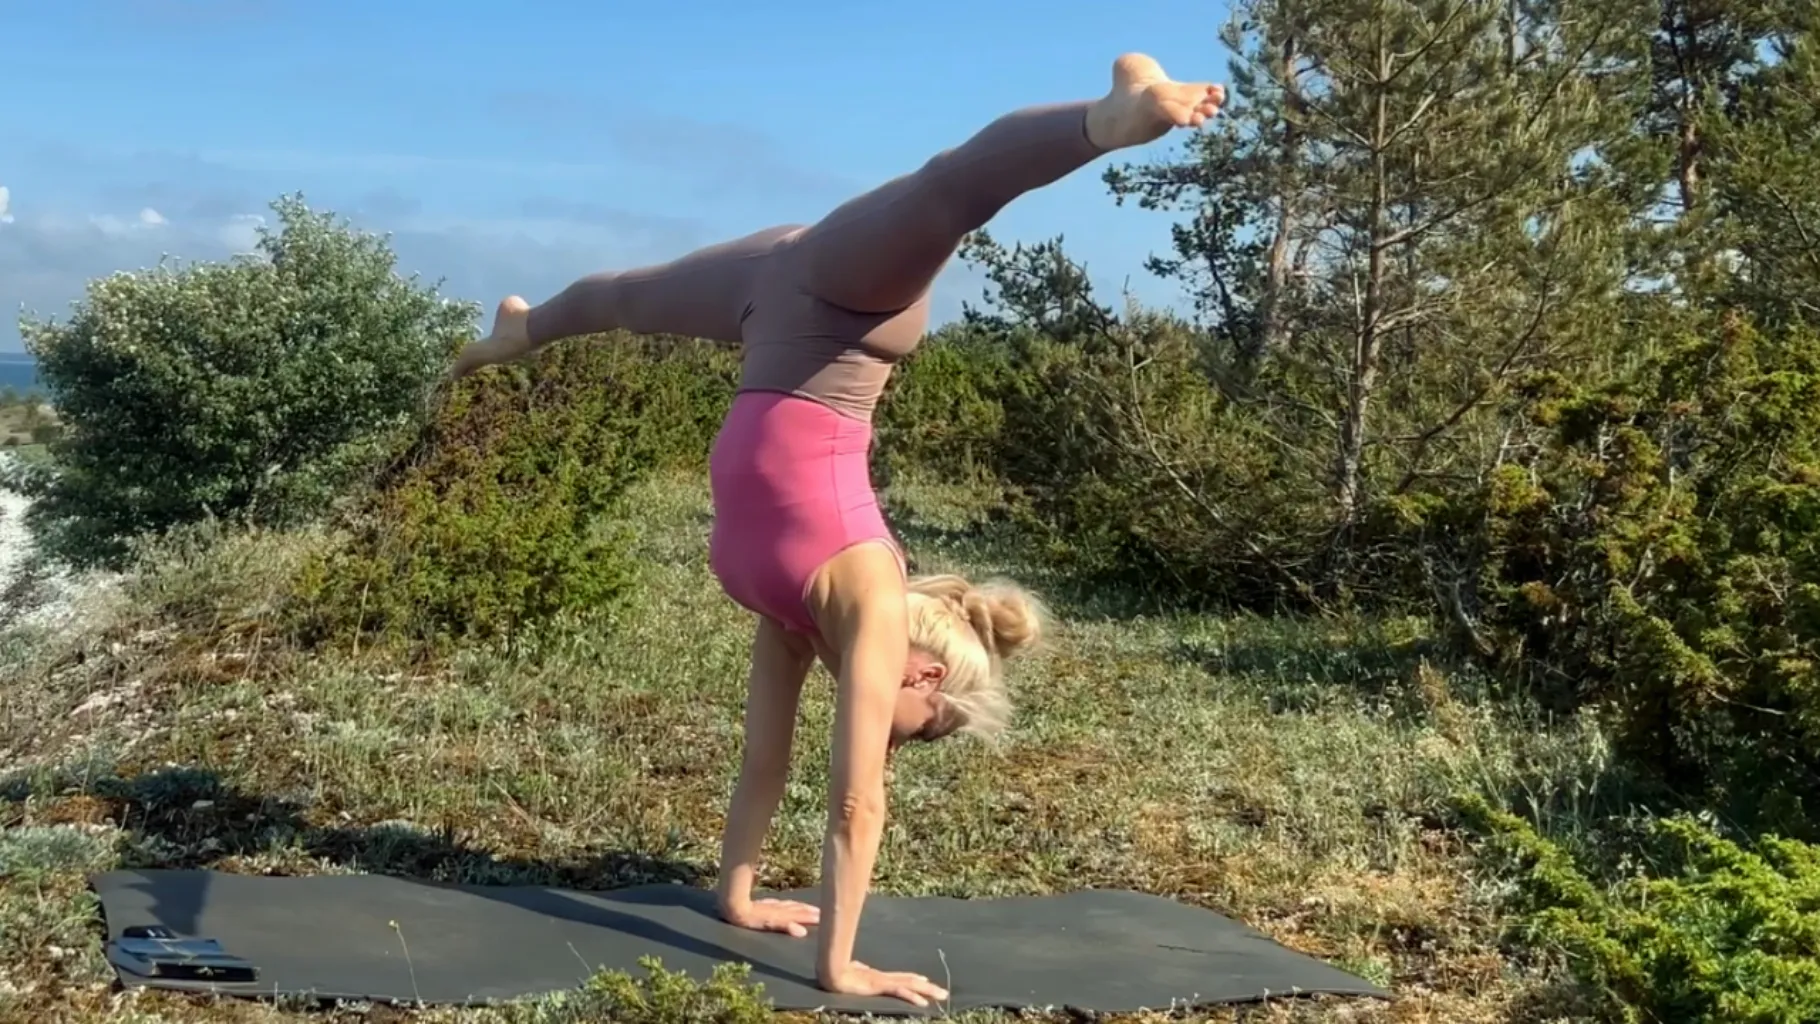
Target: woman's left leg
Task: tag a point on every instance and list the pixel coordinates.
(704, 294)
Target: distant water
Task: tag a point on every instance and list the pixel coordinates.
(18, 371)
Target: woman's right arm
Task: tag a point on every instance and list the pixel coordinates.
(874, 641)
(864, 702)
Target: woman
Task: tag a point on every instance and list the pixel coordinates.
(823, 313)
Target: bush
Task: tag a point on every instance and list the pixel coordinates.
(252, 390)
(1159, 479)
(661, 996)
(944, 410)
(1122, 460)
(1140, 450)
(1718, 935)
(682, 389)
(496, 519)
(1658, 557)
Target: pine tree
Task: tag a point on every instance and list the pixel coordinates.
(1405, 207)
(1760, 152)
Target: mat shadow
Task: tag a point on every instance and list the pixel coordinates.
(188, 817)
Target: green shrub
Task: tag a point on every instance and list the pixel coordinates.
(251, 390)
(682, 388)
(496, 520)
(1123, 460)
(661, 996)
(944, 410)
(1127, 464)
(1716, 935)
(1658, 557)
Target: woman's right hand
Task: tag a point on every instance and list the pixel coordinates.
(860, 980)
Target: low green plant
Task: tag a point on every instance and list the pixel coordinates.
(1716, 934)
(1657, 557)
(1128, 465)
(662, 996)
(943, 414)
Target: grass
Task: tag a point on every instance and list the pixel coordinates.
(1290, 775)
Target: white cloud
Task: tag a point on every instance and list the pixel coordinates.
(241, 233)
(6, 205)
(147, 219)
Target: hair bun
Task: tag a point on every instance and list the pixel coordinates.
(1006, 616)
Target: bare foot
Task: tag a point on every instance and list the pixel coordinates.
(508, 341)
(1145, 104)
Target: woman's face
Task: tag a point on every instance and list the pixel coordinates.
(921, 714)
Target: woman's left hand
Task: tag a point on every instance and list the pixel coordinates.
(787, 916)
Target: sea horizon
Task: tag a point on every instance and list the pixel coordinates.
(18, 370)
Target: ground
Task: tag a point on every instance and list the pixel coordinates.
(20, 420)
(1290, 775)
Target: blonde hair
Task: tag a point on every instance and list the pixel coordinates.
(972, 630)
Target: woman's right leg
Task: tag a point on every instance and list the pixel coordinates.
(880, 251)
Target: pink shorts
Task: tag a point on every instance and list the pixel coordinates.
(792, 488)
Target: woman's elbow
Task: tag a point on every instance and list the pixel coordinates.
(858, 812)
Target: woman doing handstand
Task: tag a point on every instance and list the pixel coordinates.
(823, 312)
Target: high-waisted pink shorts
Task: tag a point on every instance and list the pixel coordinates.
(792, 488)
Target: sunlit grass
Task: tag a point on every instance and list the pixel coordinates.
(1288, 774)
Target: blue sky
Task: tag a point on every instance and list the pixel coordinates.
(510, 147)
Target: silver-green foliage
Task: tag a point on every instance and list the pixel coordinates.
(250, 390)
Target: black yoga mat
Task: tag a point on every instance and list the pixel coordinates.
(388, 939)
